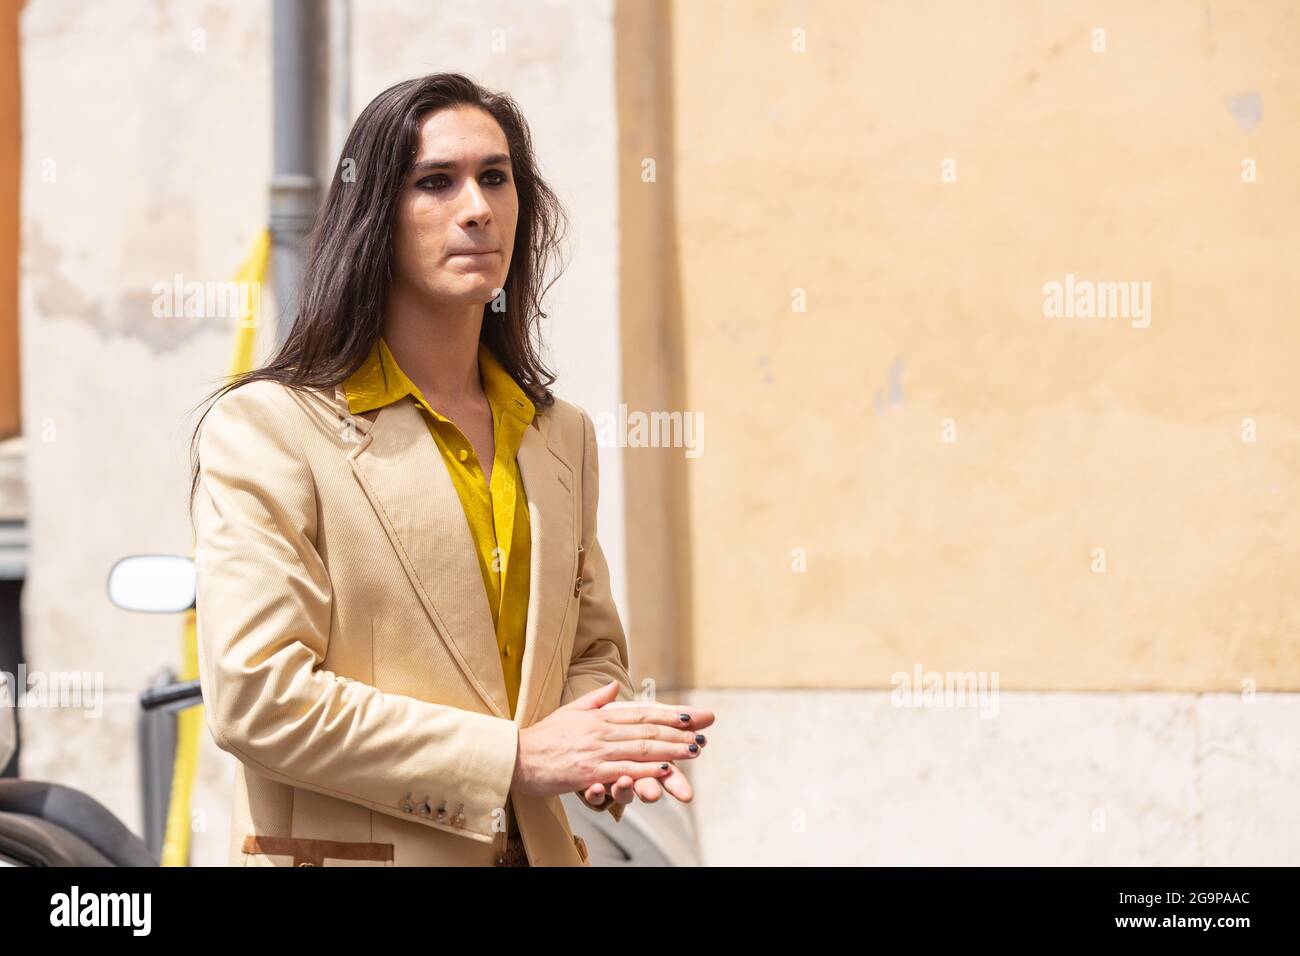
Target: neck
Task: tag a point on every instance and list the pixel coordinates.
(437, 346)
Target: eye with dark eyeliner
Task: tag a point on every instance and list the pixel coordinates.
(427, 181)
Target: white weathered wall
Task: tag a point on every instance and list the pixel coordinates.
(845, 778)
(146, 153)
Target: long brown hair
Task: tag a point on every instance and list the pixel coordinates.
(349, 265)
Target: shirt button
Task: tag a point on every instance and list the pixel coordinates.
(463, 454)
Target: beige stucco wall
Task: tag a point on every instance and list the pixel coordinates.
(820, 174)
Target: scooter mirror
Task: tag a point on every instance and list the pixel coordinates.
(159, 583)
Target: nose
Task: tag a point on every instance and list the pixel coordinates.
(474, 209)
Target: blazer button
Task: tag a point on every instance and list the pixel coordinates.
(442, 809)
(459, 819)
(577, 585)
(306, 863)
(426, 808)
(406, 803)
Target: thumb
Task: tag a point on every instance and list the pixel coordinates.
(595, 699)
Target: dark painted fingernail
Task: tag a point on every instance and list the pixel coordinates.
(693, 748)
(686, 718)
(663, 766)
(699, 738)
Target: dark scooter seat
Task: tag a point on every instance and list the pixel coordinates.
(47, 824)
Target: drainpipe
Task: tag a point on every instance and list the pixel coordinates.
(340, 85)
(294, 187)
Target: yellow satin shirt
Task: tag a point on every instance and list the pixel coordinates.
(497, 515)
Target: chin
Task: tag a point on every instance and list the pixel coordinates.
(475, 292)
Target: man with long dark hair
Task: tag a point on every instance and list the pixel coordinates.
(406, 629)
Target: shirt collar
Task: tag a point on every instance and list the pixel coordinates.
(380, 381)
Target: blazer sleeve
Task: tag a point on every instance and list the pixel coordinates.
(599, 644)
(264, 612)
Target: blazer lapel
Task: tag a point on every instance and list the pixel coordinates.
(402, 472)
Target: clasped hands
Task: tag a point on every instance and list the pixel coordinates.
(603, 748)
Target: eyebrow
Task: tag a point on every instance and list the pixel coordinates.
(426, 165)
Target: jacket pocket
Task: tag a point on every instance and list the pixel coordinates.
(299, 851)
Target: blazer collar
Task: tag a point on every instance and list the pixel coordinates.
(407, 483)
(380, 380)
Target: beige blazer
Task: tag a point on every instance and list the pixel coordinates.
(346, 648)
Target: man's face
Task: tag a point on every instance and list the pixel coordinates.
(455, 225)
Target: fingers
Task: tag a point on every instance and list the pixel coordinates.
(635, 769)
(653, 731)
(595, 795)
(677, 785)
(649, 742)
(647, 750)
(644, 732)
(595, 699)
(648, 789)
(623, 788)
(644, 738)
(681, 717)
